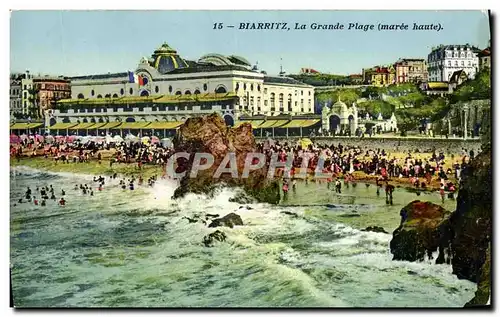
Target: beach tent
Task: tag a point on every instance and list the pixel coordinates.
(86, 139)
(49, 139)
(14, 139)
(71, 138)
(131, 138)
(145, 139)
(154, 140)
(110, 139)
(166, 142)
(304, 143)
(39, 138)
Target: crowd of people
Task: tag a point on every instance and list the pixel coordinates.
(342, 161)
(339, 162)
(86, 189)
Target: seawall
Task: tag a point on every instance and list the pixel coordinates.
(398, 144)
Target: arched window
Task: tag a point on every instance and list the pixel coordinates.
(251, 87)
(170, 89)
(92, 93)
(85, 120)
(197, 92)
(99, 96)
(130, 119)
(178, 93)
(237, 86)
(144, 93)
(187, 92)
(258, 87)
(157, 89)
(131, 91)
(220, 90)
(289, 102)
(115, 96)
(205, 87)
(244, 86)
(281, 102)
(272, 101)
(122, 92)
(80, 96)
(107, 96)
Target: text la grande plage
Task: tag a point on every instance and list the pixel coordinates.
(337, 26)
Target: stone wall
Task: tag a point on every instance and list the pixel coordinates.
(393, 144)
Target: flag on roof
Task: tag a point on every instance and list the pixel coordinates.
(134, 78)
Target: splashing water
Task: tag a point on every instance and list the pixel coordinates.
(125, 248)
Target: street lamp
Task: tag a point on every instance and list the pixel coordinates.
(466, 112)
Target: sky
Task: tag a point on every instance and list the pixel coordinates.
(73, 43)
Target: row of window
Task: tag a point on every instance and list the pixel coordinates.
(141, 109)
(219, 90)
(449, 54)
(245, 87)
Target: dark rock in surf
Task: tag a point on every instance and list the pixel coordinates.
(229, 220)
(210, 134)
(462, 238)
(375, 229)
(290, 213)
(217, 235)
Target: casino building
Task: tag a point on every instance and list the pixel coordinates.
(165, 90)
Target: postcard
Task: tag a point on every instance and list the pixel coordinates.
(250, 159)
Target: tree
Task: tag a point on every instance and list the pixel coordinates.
(477, 88)
(374, 107)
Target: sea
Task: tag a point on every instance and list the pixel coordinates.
(123, 248)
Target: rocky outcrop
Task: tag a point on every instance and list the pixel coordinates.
(471, 226)
(209, 134)
(210, 239)
(423, 232)
(463, 237)
(375, 229)
(229, 220)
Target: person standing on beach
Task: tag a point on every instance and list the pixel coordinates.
(389, 189)
(285, 189)
(441, 192)
(338, 186)
(28, 193)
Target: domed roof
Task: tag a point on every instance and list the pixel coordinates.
(165, 59)
(340, 105)
(221, 60)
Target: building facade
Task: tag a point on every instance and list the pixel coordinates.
(411, 70)
(485, 58)
(379, 76)
(168, 74)
(444, 60)
(48, 90)
(27, 93)
(16, 102)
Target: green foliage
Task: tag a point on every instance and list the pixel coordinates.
(348, 96)
(478, 88)
(374, 107)
(414, 98)
(323, 79)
